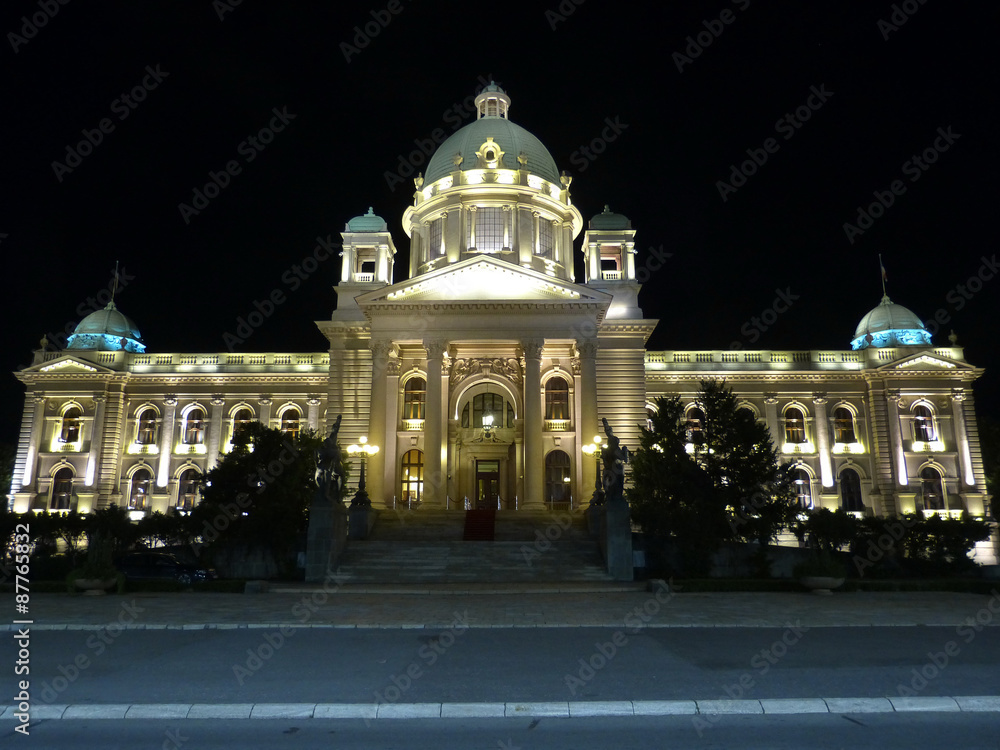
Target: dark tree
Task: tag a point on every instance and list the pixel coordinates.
(719, 482)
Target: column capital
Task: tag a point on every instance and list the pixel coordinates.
(170, 401)
(380, 347)
(435, 348)
(38, 399)
(771, 399)
(532, 348)
(958, 394)
(99, 399)
(894, 396)
(586, 349)
(264, 401)
(313, 401)
(392, 366)
(218, 400)
(820, 398)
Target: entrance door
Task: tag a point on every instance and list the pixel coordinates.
(487, 484)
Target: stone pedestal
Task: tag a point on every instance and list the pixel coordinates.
(617, 540)
(361, 521)
(326, 539)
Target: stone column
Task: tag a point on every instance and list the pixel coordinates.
(312, 418)
(823, 439)
(771, 417)
(215, 433)
(534, 487)
(435, 484)
(390, 456)
(265, 410)
(167, 427)
(96, 441)
(962, 437)
(896, 438)
(590, 424)
(375, 474)
(37, 424)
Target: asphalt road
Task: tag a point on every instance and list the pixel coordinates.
(481, 665)
(860, 732)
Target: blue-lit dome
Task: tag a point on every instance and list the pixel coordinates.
(107, 330)
(890, 324)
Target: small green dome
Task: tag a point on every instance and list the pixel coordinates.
(107, 330)
(367, 223)
(607, 219)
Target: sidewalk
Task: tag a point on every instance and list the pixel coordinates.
(507, 606)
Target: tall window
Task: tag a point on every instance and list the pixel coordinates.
(488, 403)
(931, 489)
(187, 489)
(556, 399)
(795, 426)
(414, 396)
(412, 476)
(850, 491)
(242, 418)
(146, 428)
(546, 238)
(138, 496)
(194, 427)
(803, 488)
(843, 426)
(70, 432)
(291, 422)
(486, 229)
(695, 426)
(923, 424)
(556, 477)
(62, 489)
(435, 249)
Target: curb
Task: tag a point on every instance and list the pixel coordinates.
(560, 709)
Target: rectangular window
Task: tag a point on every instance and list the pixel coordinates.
(434, 249)
(546, 238)
(489, 234)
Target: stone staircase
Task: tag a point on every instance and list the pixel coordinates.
(425, 546)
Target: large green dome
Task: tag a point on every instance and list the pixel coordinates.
(107, 330)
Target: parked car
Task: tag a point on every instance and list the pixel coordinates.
(144, 566)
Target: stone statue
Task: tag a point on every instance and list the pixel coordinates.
(615, 456)
(329, 460)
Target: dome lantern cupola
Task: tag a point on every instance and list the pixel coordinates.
(492, 101)
(890, 325)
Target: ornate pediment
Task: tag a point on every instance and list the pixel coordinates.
(66, 365)
(928, 360)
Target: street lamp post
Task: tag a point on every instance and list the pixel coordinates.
(594, 449)
(365, 450)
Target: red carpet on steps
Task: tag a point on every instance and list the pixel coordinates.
(479, 525)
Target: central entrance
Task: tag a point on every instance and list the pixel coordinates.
(487, 484)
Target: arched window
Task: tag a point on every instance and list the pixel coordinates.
(931, 489)
(488, 403)
(194, 427)
(843, 426)
(138, 496)
(695, 426)
(850, 491)
(62, 489)
(242, 418)
(187, 489)
(291, 422)
(556, 399)
(795, 426)
(923, 424)
(146, 427)
(412, 476)
(557, 482)
(803, 488)
(70, 432)
(414, 396)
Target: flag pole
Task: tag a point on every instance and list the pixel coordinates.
(882, 269)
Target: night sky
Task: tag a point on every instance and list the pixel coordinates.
(868, 86)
